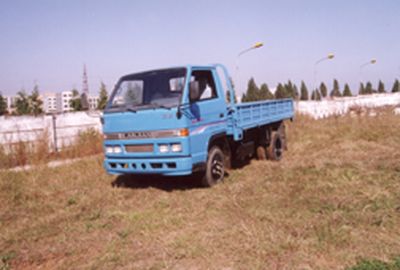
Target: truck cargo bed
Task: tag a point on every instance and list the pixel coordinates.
(254, 114)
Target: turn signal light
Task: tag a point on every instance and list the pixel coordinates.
(184, 132)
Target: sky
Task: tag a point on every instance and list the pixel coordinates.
(47, 42)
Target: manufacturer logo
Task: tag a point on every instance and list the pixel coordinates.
(133, 135)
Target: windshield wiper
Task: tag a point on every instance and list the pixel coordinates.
(130, 109)
(156, 105)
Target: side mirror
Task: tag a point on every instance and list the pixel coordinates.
(194, 91)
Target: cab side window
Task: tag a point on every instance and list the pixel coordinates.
(206, 84)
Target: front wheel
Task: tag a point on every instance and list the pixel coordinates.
(215, 169)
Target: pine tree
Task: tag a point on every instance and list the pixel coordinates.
(280, 91)
(347, 91)
(313, 95)
(265, 93)
(303, 91)
(318, 95)
(253, 93)
(244, 98)
(103, 97)
(296, 94)
(289, 90)
(22, 103)
(3, 105)
(381, 87)
(35, 101)
(323, 89)
(396, 86)
(75, 102)
(361, 90)
(336, 90)
(368, 88)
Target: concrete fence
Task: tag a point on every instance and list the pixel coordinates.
(340, 106)
(59, 130)
(62, 129)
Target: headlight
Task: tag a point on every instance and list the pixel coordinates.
(163, 148)
(117, 149)
(176, 147)
(109, 149)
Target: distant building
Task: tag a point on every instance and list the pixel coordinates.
(55, 102)
(93, 102)
(63, 100)
(10, 100)
(49, 102)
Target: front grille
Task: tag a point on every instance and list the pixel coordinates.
(139, 148)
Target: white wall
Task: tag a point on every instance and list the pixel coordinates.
(339, 106)
(30, 129)
(68, 125)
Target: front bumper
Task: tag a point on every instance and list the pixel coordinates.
(161, 166)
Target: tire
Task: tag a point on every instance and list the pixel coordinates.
(215, 169)
(276, 147)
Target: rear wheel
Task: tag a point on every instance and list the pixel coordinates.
(275, 148)
(215, 169)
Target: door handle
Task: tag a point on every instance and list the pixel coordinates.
(221, 115)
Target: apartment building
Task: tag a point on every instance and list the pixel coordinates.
(63, 101)
(10, 100)
(49, 102)
(55, 102)
(93, 102)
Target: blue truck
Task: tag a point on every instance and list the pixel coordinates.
(184, 120)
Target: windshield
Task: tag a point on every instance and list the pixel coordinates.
(153, 89)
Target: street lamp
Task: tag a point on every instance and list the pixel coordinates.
(328, 57)
(255, 46)
(370, 62)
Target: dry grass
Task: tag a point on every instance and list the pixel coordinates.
(332, 200)
(88, 142)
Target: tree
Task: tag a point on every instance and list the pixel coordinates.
(280, 91)
(296, 92)
(3, 105)
(244, 98)
(336, 90)
(316, 95)
(323, 89)
(265, 93)
(103, 97)
(396, 86)
(290, 90)
(22, 103)
(75, 102)
(35, 102)
(252, 93)
(381, 87)
(346, 91)
(313, 95)
(361, 90)
(303, 91)
(368, 88)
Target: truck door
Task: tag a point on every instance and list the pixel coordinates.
(207, 113)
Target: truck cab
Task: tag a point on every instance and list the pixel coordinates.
(174, 121)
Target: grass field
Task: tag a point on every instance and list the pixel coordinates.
(333, 200)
